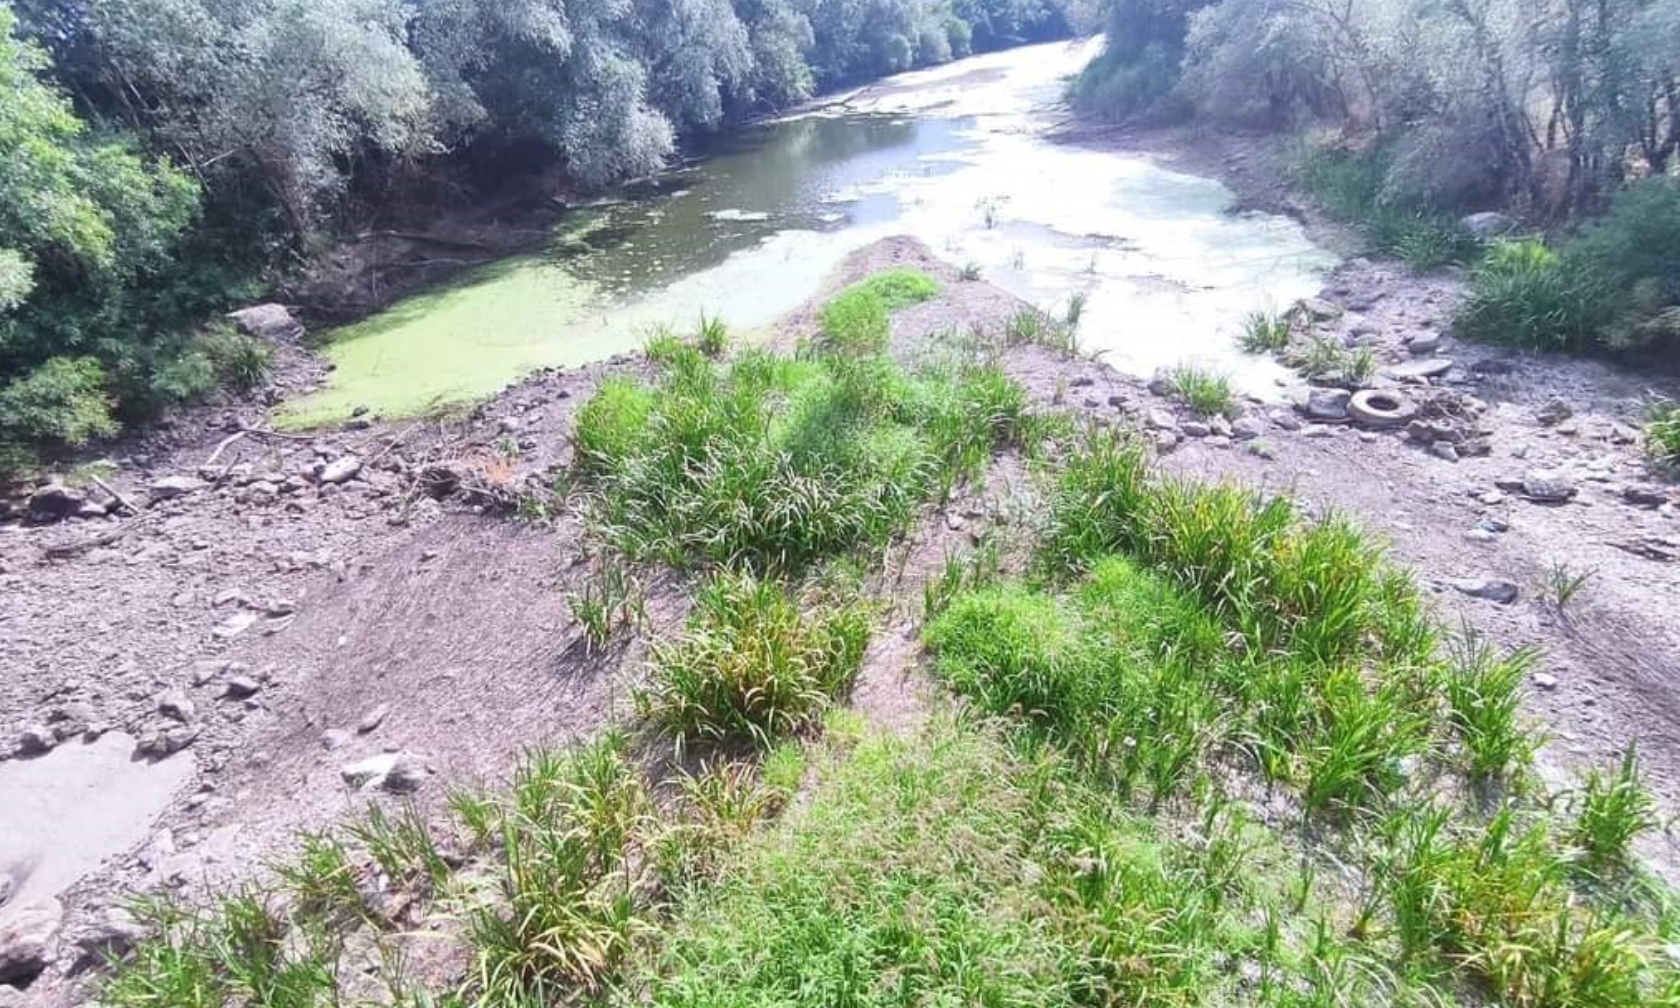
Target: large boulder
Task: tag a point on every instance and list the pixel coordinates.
(55, 501)
(272, 322)
(1489, 224)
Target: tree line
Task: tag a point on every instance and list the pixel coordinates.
(1563, 112)
(160, 158)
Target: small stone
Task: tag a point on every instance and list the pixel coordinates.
(1318, 309)
(1444, 450)
(176, 704)
(174, 486)
(399, 772)
(1194, 429)
(234, 625)
(1492, 498)
(1161, 419)
(1217, 441)
(1545, 680)
(1489, 224)
(109, 937)
(1502, 592)
(1284, 420)
(1548, 485)
(1328, 403)
(1480, 535)
(1554, 412)
(28, 932)
(340, 470)
(1645, 496)
(1318, 431)
(373, 719)
(1166, 440)
(335, 738)
(1424, 344)
(1431, 367)
(1219, 426)
(164, 741)
(1262, 449)
(240, 687)
(1247, 428)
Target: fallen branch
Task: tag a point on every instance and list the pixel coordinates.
(222, 447)
(416, 236)
(61, 551)
(122, 502)
(265, 432)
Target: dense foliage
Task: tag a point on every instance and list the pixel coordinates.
(158, 156)
(1421, 110)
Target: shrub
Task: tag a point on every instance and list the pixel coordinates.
(756, 665)
(64, 401)
(855, 322)
(1614, 809)
(1524, 295)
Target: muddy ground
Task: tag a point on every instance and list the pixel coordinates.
(272, 609)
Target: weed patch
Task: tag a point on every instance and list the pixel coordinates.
(756, 665)
(1206, 392)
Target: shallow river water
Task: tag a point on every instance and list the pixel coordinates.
(955, 156)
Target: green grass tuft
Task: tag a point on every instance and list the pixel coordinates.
(1206, 392)
(755, 666)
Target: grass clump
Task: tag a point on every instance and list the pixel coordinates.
(1484, 703)
(1206, 392)
(1264, 332)
(1662, 434)
(856, 321)
(1614, 809)
(755, 666)
(773, 463)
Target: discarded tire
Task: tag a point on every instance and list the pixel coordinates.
(1381, 408)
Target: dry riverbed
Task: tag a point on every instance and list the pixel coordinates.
(277, 620)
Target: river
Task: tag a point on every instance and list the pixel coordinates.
(956, 156)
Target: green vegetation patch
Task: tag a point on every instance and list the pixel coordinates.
(756, 664)
(946, 869)
(1352, 186)
(771, 463)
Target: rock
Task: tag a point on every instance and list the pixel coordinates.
(55, 502)
(1247, 428)
(1418, 370)
(399, 772)
(1166, 440)
(1502, 592)
(1488, 225)
(163, 740)
(1545, 681)
(1284, 420)
(1381, 408)
(1444, 450)
(1424, 344)
(1318, 431)
(1548, 486)
(340, 470)
(1328, 403)
(28, 932)
(373, 719)
(1161, 419)
(240, 687)
(176, 704)
(1217, 441)
(272, 322)
(1480, 535)
(36, 739)
(1645, 496)
(171, 487)
(1194, 428)
(234, 625)
(1262, 449)
(1318, 309)
(108, 938)
(1554, 412)
(335, 738)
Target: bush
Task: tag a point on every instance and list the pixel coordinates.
(1612, 285)
(62, 402)
(1353, 187)
(1524, 295)
(756, 665)
(1662, 434)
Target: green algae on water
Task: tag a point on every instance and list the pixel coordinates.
(457, 344)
